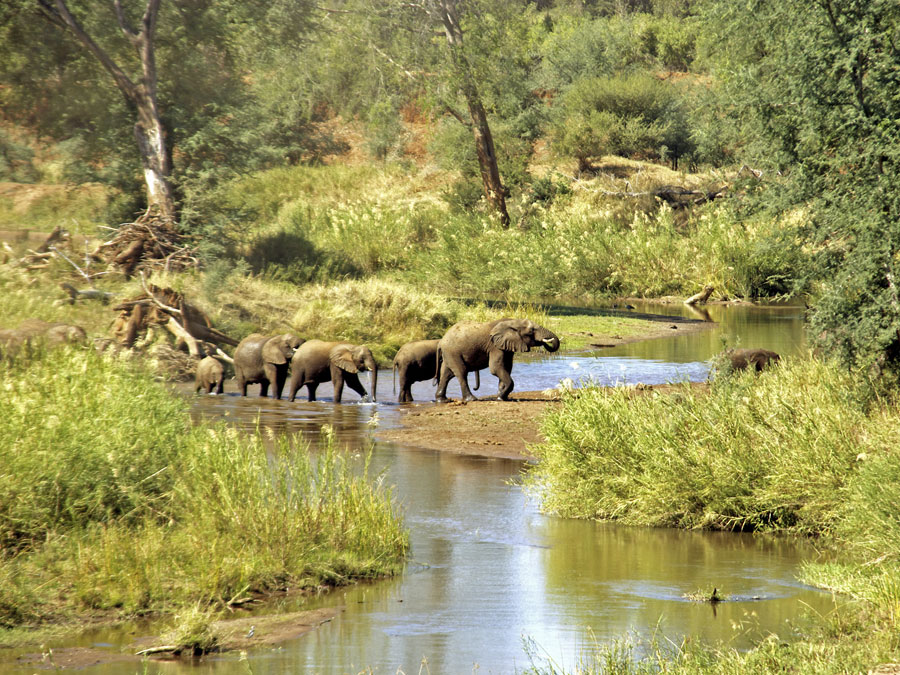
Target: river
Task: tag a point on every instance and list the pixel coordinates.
(489, 573)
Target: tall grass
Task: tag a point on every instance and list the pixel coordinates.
(110, 499)
(582, 244)
(775, 452)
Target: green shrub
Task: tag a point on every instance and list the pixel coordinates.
(777, 451)
(629, 115)
(111, 499)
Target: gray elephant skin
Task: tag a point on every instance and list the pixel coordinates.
(33, 331)
(416, 362)
(317, 361)
(264, 360)
(210, 375)
(468, 346)
(755, 359)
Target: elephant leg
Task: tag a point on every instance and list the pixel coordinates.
(461, 374)
(501, 365)
(242, 385)
(311, 390)
(446, 375)
(337, 381)
(263, 388)
(220, 387)
(280, 377)
(271, 373)
(296, 379)
(405, 385)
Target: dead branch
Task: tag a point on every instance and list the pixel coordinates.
(701, 297)
(88, 294)
(182, 334)
(157, 650)
(73, 264)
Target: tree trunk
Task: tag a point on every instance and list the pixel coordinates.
(141, 96)
(494, 190)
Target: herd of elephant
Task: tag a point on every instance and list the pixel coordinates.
(466, 347)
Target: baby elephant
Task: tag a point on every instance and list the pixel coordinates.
(416, 362)
(210, 373)
(757, 359)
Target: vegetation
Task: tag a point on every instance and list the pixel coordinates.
(155, 514)
(803, 448)
(345, 173)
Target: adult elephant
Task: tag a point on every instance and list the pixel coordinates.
(469, 346)
(756, 359)
(416, 362)
(264, 360)
(317, 361)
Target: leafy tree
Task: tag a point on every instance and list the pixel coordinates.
(626, 115)
(815, 85)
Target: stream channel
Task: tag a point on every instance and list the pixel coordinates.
(489, 573)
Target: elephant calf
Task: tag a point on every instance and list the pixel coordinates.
(468, 346)
(210, 373)
(316, 362)
(757, 359)
(264, 359)
(416, 362)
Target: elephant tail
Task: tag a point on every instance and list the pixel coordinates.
(438, 357)
(477, 379)
(394, 373)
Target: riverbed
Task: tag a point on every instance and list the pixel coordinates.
(490, 574)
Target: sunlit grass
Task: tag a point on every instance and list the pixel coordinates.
(110, 499)
(770, 452)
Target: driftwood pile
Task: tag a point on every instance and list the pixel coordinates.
(156, 307)
(149, 243)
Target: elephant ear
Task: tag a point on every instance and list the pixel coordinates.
(505, 336)
(342, 357)
(273, 351)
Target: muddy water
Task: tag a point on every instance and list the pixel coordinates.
(489, 572)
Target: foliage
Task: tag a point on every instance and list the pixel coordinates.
(630, 115)
(771, 452)
(816, 84)
(149, 515)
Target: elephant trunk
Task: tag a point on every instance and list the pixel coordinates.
(551, 343)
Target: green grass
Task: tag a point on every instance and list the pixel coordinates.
(343, 221)
(42, 206)
(773, 452)
(111, 500)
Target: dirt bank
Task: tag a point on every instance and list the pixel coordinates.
(489, 428)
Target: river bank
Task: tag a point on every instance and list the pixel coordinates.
(506, 429)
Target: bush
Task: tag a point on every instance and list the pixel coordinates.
(153, 513)
(778, 451)
(628, 115)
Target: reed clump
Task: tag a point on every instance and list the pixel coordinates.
(775, 452)
(111, 500)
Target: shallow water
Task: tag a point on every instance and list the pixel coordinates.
(489, 571)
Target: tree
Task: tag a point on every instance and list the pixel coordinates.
(816, 85)
(403, 36)
(139, 92)
(447, 12)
